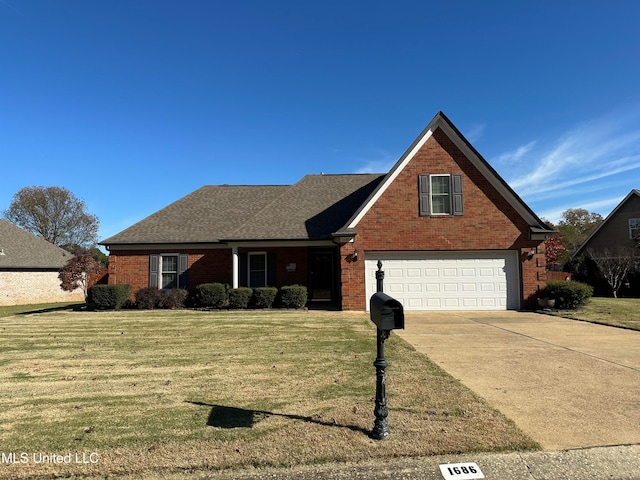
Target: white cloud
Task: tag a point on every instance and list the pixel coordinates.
(376, 161)
(517, 154)
(475, 132)
(593, 152)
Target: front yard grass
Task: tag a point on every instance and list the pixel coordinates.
(617, 312)
(154, 392)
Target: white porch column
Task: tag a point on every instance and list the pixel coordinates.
(236, 263)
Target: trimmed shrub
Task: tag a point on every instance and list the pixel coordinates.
(212, 295)
(293, 296)
(110, 297)
(148, 298)
(263, 297)
(173, 298)
(240, 297)
(568, 295)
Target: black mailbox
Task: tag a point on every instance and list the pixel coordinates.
(386, 312)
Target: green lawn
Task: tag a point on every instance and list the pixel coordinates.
(155, 392)
(618, 312)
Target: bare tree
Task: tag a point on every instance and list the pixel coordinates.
(55, 214)
(614, 264)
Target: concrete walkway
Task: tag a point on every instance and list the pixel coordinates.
(567, 384)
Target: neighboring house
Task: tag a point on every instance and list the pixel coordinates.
(450, 233)
(615, 238)
(29, 267)
(619, 229)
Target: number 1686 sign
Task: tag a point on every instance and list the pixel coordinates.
(461, 471)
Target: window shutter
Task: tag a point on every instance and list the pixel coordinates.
(154, 264)
(423, 193)
(271, 270)
(458, 204)
(183, 268)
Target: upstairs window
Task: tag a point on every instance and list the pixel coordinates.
(634, 228)
(440, 194)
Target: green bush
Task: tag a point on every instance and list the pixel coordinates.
(293, 296)
(212, 295)
(110, 297)
(568, 295)
(263, 297)
(148, 298)
(173, 298)
(240, 297)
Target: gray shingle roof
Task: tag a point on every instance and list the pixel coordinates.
(20, 249)
(313, 208)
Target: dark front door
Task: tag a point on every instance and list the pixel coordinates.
(321, 275)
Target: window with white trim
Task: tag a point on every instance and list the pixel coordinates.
(634, 228)
(440, 194)
(257, 270)
(169, 269)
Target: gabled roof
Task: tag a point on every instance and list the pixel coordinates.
(20, 249)
(318, 207)
(538, 228)
(630, 195)
(313, 208)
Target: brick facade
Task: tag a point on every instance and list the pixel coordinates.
(205, 266)
(394, 224)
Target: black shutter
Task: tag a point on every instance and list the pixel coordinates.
(243, 266)
(458, 204)
(154, 264)
(271, 270)
(423, 193)
(183, 268)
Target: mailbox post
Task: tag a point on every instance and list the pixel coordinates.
(388, 314)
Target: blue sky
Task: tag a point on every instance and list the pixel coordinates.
(134, 104)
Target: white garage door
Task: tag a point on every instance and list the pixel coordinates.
(486, 280)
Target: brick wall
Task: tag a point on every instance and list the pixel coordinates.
(205, 266)
(393, 223)
(22, 288)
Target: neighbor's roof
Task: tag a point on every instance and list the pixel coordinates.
(633, 193)
(313, 208)
(20, 249)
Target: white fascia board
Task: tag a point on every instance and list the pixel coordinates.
(487, 171)
(403, 162)
(498, 183)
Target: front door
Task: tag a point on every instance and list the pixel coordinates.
(321, 275)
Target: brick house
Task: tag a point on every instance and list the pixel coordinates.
(29, 267)
(450, 232)
(617, 235)
(618, 229)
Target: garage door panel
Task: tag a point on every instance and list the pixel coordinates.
(448, 280)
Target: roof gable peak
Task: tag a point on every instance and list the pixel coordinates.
(442, 122)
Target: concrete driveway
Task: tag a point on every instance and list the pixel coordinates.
(567, 384)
